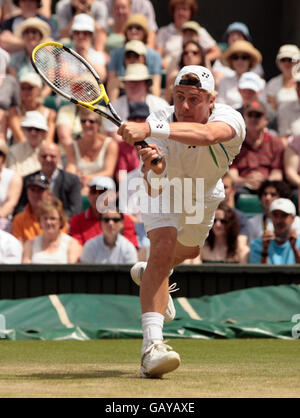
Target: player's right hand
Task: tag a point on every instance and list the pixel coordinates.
(148, 155)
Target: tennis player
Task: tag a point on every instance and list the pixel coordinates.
(198, 139)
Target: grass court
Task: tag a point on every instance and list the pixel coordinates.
(239, 368)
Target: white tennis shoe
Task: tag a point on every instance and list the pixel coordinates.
(157, 360)
(137, 272)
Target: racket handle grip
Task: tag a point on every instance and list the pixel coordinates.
(144, 144)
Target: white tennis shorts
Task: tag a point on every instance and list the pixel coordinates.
(190, 235)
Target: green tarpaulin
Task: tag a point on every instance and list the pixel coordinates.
(267, 312)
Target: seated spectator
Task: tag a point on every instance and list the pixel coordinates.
(65, 186)
(86, 225)
(128, 158)
(143, 7)
(137, 82)
(289, 112)
(10, 249)
(68, 126)
(120, 12)
(110, 247)
(261, 155)
(251, 88)
(10, 189)
(222, 243)
(23, 157)
(10, 28)
(268, 192)
(136, 29)
(52, 246)
(94, 154)
(32, 31)
(25, 224)
(82, 35)
(192, 54)
(30, 100)
(67, 10)
(282, 88)
(9, 92)
(230, 191)
(281, 246)
(169, 37)
(241, 57)
(291, 163)
(236, 31)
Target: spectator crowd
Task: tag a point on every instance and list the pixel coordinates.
(61, 165)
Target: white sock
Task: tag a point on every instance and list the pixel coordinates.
(152, 324)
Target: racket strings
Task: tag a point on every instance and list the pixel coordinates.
(67, 73)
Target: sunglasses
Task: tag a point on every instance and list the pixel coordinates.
(286, 59)
(236, 57)
(272, 194)
(256, 115)
(136, 27)
(191, 52)
(92, 121)
(115, 220)
(94, 190)
(223, 221)
(27, 88)
(131, 55)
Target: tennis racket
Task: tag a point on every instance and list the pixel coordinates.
(71, 76)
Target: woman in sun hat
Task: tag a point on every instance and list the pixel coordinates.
(32, 31)
(282, 88)
(82, 34)
(135, 29)
(241, 57)
(30, 100)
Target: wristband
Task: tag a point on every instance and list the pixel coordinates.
(152, 175)
(159, 129)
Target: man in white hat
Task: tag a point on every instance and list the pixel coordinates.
(137, 82)
(197, 139)
(24, 155)
(281, 246)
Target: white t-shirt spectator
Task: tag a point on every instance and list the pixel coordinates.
(95, 251)
(10, 249)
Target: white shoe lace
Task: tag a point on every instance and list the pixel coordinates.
(162, 347)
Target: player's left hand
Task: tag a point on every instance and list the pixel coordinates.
(133, 132)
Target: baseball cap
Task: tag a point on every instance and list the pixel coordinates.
(288, 51)
(103, 183)
(285, 205)
(238, 27)
(83, 22)
(206, 79)
(32, 79)
(34, 119)
(191, 25)
(37, 180)
(138, 110)
(136, 46)
(257, 106)
(251, 81)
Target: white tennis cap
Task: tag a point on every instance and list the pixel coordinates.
(206, 79)
(251, 81)
(285, 205)
(103, 183)
(83, 22)
(34, 119)
(31, 78)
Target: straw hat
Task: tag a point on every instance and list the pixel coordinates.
(136, 19)
(36, 23)
(136, 72)
(246, 48)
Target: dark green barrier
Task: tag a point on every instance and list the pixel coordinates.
(22, 281)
